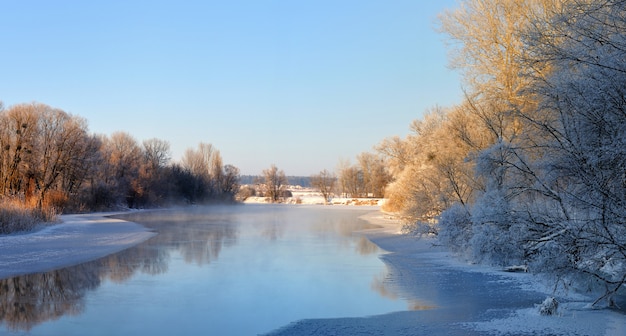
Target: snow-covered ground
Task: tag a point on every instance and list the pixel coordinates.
(78, 239)
(310, 196)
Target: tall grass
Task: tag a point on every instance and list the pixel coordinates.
(16, 216)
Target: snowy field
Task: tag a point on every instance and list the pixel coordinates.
(309, 196)
(81, 238)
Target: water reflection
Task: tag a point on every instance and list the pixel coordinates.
(380, 285)
(198, 236)
(28, 300)
(365, 247)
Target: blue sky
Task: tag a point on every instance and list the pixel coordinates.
(299, 84)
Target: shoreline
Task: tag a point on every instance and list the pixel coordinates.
(79, 238)
(405, 255)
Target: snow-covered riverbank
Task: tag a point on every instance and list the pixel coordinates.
(506, 301)
(78, 239)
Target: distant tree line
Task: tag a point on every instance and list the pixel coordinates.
(273, 185)
(48, 159)
(531, 167)
(368, 178)
(303, 181)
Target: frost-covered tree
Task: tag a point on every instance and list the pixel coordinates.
(431, 173)
(489, 170)
(551, 185)
(583, 129)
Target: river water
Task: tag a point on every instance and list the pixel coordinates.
(219, 270)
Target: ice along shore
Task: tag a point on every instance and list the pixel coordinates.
(448, 297)
(77, 239)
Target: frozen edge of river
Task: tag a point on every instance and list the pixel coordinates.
(77, 239)
(575, 317)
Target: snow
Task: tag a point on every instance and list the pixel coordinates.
(78, 239)
(575, 318)
(310, 196)
(550, 306)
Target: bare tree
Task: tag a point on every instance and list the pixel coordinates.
(216, 180)
(65, 146)
(43, 149)
(324, 181)
(216, 170)
(230, 182)
(18, 135)
(352, 182)
(375, 174)
(199, 161)
(275, 183)
(124, 157)
(156, 152)
(152, 182)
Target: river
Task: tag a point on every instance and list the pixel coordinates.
(218, 270)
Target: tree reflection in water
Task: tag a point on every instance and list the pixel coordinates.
(198, 234)
(31, 299)
(28, 300)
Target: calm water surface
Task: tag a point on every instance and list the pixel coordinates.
(237, 270)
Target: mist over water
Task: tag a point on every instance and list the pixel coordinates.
(228, 270)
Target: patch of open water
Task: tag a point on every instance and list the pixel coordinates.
(230, 270)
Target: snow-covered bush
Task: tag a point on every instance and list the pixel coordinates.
(583, 139)
(549, 307)
(455, 228)
(497, 237)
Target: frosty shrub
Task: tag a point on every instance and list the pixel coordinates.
(15, 216)
(455, 228)
(497, 236)
(419, 228)
(549, 307)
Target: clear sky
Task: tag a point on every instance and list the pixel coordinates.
(299, 84)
